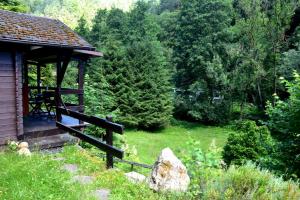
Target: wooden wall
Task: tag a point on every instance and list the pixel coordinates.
(11, 118)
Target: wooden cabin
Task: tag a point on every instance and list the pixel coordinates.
(31, 42)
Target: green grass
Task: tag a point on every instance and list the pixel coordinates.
(41, 177)
(150, 144)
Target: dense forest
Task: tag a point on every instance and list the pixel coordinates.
(206, 61)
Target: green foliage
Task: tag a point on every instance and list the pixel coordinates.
(245, 182)
(260, 31)
(133, 73)
(168, 5)
(13, 5)
(36, 177)
(210, 180)
(200, 55)
(250, 142)
(41, 177)
(149, 144)
(290, 59)
(70, 11)
(283, 121)
(82, 28)
(223, 56)
(197, 160)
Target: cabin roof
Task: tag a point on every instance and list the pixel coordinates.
(33, 30)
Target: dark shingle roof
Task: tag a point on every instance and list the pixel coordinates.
(28, 29)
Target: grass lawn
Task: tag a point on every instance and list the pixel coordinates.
(42, 177)
(150, 144)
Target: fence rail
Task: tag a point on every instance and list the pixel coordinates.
(129, 162)
(107, 124)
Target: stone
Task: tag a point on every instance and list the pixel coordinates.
(101, 194)
(84, 180)
(24, 149)
(169, 174)
(53, 151)
(23, 145)
(135, 177)
(72, 168)
(59, 159)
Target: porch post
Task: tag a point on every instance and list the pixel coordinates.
(38, 77)
(25, 91)
(58, 89)
(80, 85)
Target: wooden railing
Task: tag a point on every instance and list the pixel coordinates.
(63, 91)
(107, 124)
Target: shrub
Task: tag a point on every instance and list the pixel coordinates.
(196, 160)
(210, 181)
(249, 142)
(246, 182)
(283, 122)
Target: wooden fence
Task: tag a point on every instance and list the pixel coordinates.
(107, 124)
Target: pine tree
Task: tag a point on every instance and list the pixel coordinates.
(134, 67)
(201, 60)
(147, 58)
(82, 28)
(153, 106)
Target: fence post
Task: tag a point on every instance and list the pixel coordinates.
(109, 141)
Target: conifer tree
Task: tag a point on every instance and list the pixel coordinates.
(82, 28)
(201, 60)
(134, 67)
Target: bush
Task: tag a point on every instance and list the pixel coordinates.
(196, 160)
(210, 180)
(249, 142)
(246, 182)
(283, 122)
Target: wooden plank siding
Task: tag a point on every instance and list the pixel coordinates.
(11, 118)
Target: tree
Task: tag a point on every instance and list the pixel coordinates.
(200, 57)
(70, 11)
(134, 67)
(13, 5)
(260, 31)
(290, 60)
(82, 28)
(249, 71)
(168, 5)
(283, 121)
(152, 88)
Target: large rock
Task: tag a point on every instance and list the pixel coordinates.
(169, 174)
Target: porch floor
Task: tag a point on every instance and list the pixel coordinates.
(42, 133)
(43, 126)
(32, 124)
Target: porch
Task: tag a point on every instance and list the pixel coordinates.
(42, 132)
(41, 99)
(31, 46)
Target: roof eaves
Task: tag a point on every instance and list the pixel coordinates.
(9, 40)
